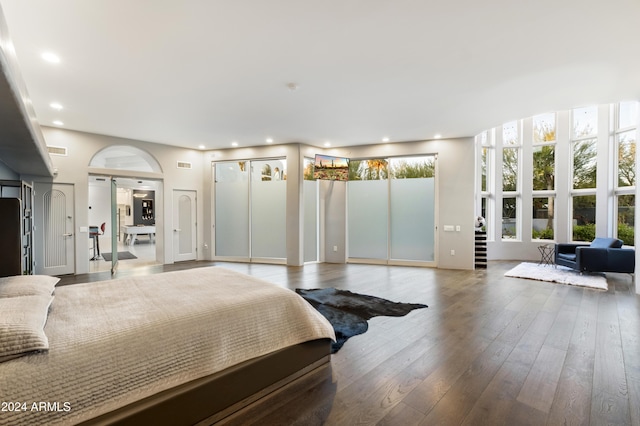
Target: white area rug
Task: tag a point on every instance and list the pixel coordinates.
(558, 274)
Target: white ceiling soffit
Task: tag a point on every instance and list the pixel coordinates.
(193, 73)
(22, 145)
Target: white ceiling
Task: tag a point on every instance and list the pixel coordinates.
(191, 72)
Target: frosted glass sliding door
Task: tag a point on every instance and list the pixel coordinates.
(268, 209)
(412, 219)
(232, 209)
(250, 209)
(368, 210)
(391, 210)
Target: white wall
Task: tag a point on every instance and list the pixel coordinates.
(454, 197)
(454, 192)
(74, 169)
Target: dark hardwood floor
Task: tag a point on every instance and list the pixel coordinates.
(489, 350)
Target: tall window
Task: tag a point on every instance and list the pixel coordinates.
(625, 140)
(485, 141)
(511, 148)
(565, 152)
(584, 167)
(544, 173)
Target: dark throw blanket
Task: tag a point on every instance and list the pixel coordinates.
(348, 312)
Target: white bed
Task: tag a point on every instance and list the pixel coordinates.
(113, 343)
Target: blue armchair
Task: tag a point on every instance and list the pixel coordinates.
(602, 255)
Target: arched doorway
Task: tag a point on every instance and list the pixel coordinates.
(125, 194)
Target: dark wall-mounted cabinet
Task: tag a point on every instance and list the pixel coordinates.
(16, 233)
(10, 237)
(144, 207)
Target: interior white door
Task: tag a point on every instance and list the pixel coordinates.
(184, 225)
(55, 225)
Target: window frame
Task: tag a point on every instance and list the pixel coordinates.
(517, 193)
(618, 190)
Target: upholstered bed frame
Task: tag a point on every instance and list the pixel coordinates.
(210, 399)
(179, 348)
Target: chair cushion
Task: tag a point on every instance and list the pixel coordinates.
(606, 243)
(567, 256)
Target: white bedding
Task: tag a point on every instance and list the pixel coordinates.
(115, 342)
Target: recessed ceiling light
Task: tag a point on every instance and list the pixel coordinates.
(269, 140)
(385, 139)
(201, 146)
(327, 143)
(234, 143)
(58, 123)
(51, 57)
(55, 105)
(437, 136)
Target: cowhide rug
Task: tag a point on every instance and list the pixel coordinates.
(348, 312)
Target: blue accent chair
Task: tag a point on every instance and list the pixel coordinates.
(602, 255)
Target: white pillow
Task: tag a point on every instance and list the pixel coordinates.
(27, 285)
(22, 321)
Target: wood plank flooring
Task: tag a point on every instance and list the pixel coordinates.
(489, 350)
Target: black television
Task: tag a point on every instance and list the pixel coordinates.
(328, 167)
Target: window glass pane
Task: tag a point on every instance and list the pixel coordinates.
(368, 218)
(627, 158)
(268, 208)
(373, 169)
(484, 166)
(544, 167)
(628, 114)
(543, 218)
(269, 170)
(483, 211)
(510, 135)
(626, 212)
(584, 218)
(584, 164)
(509, 211)
(310, 196)
(308, 169)
(412, 223)
(509, 169)
(232, 208)
(483, 138)
(585, 122)
(412, 167)
(544, 128)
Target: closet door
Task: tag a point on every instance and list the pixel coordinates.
(268, 210)
(54, 227)
(232, 210)
(184, 225)
(250, 210)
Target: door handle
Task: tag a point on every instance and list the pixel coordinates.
(176, 230)
(67, 235)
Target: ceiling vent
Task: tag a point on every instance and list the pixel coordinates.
(184, 165)
(57, 150)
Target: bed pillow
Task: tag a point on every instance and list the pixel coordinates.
(22, 321)
(27, 285)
